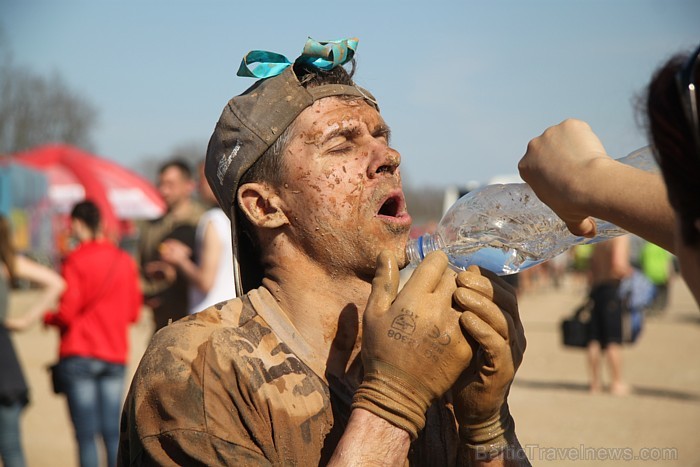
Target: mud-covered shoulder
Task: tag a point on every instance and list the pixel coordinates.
(175, 347)
(168, 389)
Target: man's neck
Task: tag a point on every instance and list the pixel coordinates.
(180, 209)
(325, 308)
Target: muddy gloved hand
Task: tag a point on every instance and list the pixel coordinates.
(413, 349)
(493, 325)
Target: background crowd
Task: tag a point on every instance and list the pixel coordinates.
(93, 297)
(182, 264)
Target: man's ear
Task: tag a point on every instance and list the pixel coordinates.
(261, 205)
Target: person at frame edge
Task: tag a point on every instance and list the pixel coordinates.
(322, 360)
(569, 169)
(14, 390)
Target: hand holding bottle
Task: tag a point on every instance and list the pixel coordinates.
(480, 394)
(507, 228)
(413, 349)
(558, 165)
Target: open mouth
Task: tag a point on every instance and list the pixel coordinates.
(390, 207)
(394, 208)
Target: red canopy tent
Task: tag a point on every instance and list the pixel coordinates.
(74, 175)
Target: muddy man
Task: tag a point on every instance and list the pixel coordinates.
(322, 360)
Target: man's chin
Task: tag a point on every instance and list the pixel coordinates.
(400, 249)
(402, 263)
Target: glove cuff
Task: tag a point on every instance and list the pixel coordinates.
(489, 438)
(395, 396)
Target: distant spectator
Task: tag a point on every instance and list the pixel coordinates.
(102, 298)
(657, 265)
(166, 288)
(609, 264)
(211, 276)
(14, 392)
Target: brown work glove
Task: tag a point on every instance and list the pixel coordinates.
(413, 349)
(480, 396)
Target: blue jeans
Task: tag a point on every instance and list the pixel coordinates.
(94, 392)
(11, 452)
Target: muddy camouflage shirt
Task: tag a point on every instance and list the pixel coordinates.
(222, 387)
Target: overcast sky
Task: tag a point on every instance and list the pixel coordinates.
(463, 84)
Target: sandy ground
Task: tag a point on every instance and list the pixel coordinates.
(558, 421)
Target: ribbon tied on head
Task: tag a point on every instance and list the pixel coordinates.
(324, 55)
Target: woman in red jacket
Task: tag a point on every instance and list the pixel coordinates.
(102, 298)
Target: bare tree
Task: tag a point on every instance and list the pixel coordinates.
(37, 110)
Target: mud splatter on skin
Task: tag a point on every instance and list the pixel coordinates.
(332, 194)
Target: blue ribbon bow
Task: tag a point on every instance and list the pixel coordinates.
(324, 55)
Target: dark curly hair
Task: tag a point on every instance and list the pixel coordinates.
(674, 145)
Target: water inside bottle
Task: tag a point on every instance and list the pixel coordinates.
(502, 260)
(538, 243)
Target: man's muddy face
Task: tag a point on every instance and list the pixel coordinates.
(343, 187)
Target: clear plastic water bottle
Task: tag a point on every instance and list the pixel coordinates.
(506, 228)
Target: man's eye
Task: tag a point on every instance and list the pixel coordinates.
(343, 148)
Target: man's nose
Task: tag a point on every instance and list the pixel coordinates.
(384, 160)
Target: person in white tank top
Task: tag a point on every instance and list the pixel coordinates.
(209, 268)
